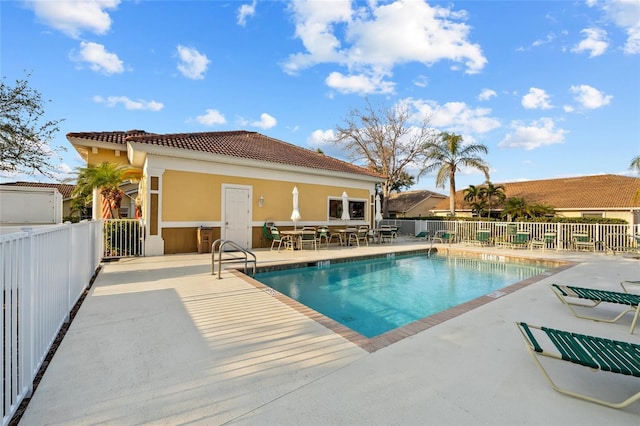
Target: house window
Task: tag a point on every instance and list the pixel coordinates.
(356, 209)
(599, 215)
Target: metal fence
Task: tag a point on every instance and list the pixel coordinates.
(44, 272)
(606, 237)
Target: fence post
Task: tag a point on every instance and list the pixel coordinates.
(27, 332)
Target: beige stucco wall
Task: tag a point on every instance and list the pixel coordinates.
(189, 196)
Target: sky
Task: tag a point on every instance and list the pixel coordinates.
(551, 88)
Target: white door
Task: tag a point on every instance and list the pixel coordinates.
(237, 215)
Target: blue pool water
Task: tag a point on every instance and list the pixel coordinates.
(379, 295)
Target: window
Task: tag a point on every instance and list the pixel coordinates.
(356, 209)
(593, 215)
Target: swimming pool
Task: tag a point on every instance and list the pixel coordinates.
(375, 296)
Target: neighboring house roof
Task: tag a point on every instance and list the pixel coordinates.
(406, 201)
(597, 192)
(239, 144)
(63, 188)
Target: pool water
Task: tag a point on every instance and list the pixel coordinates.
(375, 296)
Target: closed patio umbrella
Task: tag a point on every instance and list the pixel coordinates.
(378, 216)
(295, 215)
(345, 207)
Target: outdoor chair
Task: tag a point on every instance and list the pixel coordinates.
(362, 234)
(582, 241)
(324, 234)
(483, 237)
(308, 237)
(444, 236)
(596, 353)
(386, 233)
(521, 240)
(280, 239)
(594, 297)
(548, 240)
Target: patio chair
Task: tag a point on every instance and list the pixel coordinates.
(548, 240)
(594, 297)
(483, 237)
(521, 240)
(386, 233)
(308, 237)
(594, 352)
(324, 234)
(444, 236)
(582, 241)
(362, 234)
(280, 239)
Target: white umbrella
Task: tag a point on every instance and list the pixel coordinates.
(378, 216)
(295, 215)
(345, 207)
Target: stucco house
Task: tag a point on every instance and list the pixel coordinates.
(417, 203)
(601, 196)
(232, 181)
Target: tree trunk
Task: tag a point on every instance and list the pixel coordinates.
(452, 193)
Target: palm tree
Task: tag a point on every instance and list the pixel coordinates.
(635, 163)
(494, 192)
(474, 195)
(514, 208)
(447, 154)
(107, 177)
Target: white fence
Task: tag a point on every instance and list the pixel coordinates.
(44, 272)
(123, 238)
(607, 237)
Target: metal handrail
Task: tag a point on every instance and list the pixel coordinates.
(220, 244)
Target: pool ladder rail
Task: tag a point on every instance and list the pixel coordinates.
(235, 254)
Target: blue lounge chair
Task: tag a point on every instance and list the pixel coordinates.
(594, 352)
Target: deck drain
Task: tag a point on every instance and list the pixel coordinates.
(496, 294)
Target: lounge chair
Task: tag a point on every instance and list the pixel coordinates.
(386, 233)
(595, 297)
(444, 236)
(324, 234)
(582, 241)
(483, 237)
(548, 240)
(594, 352)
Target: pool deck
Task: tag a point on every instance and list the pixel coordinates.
(159, 340)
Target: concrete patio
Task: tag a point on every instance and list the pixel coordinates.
(159, 340)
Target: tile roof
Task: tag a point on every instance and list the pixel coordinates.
(582, 192)
(63, 188)
(405, 201)
(239, 144)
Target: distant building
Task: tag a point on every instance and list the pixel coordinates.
(418, 203)
(63, 188)
(598, 196)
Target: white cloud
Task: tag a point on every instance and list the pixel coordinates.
(73, 17)
(625, 14)
(360, 83)
(266, 121)
(595, 42)
(590, 97)
(321, 137)
(245, 11)
(539, 133)
(112, 101)
(454, 116)
(193, 64)
(211, 118)
(486, 94)
(98, 58)
(359, 39)
(536, 99)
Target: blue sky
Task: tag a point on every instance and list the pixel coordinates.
(552, 88)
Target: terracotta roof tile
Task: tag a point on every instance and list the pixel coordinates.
(63, 188)
(405, 201)
(582, 192)
(238, 144)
